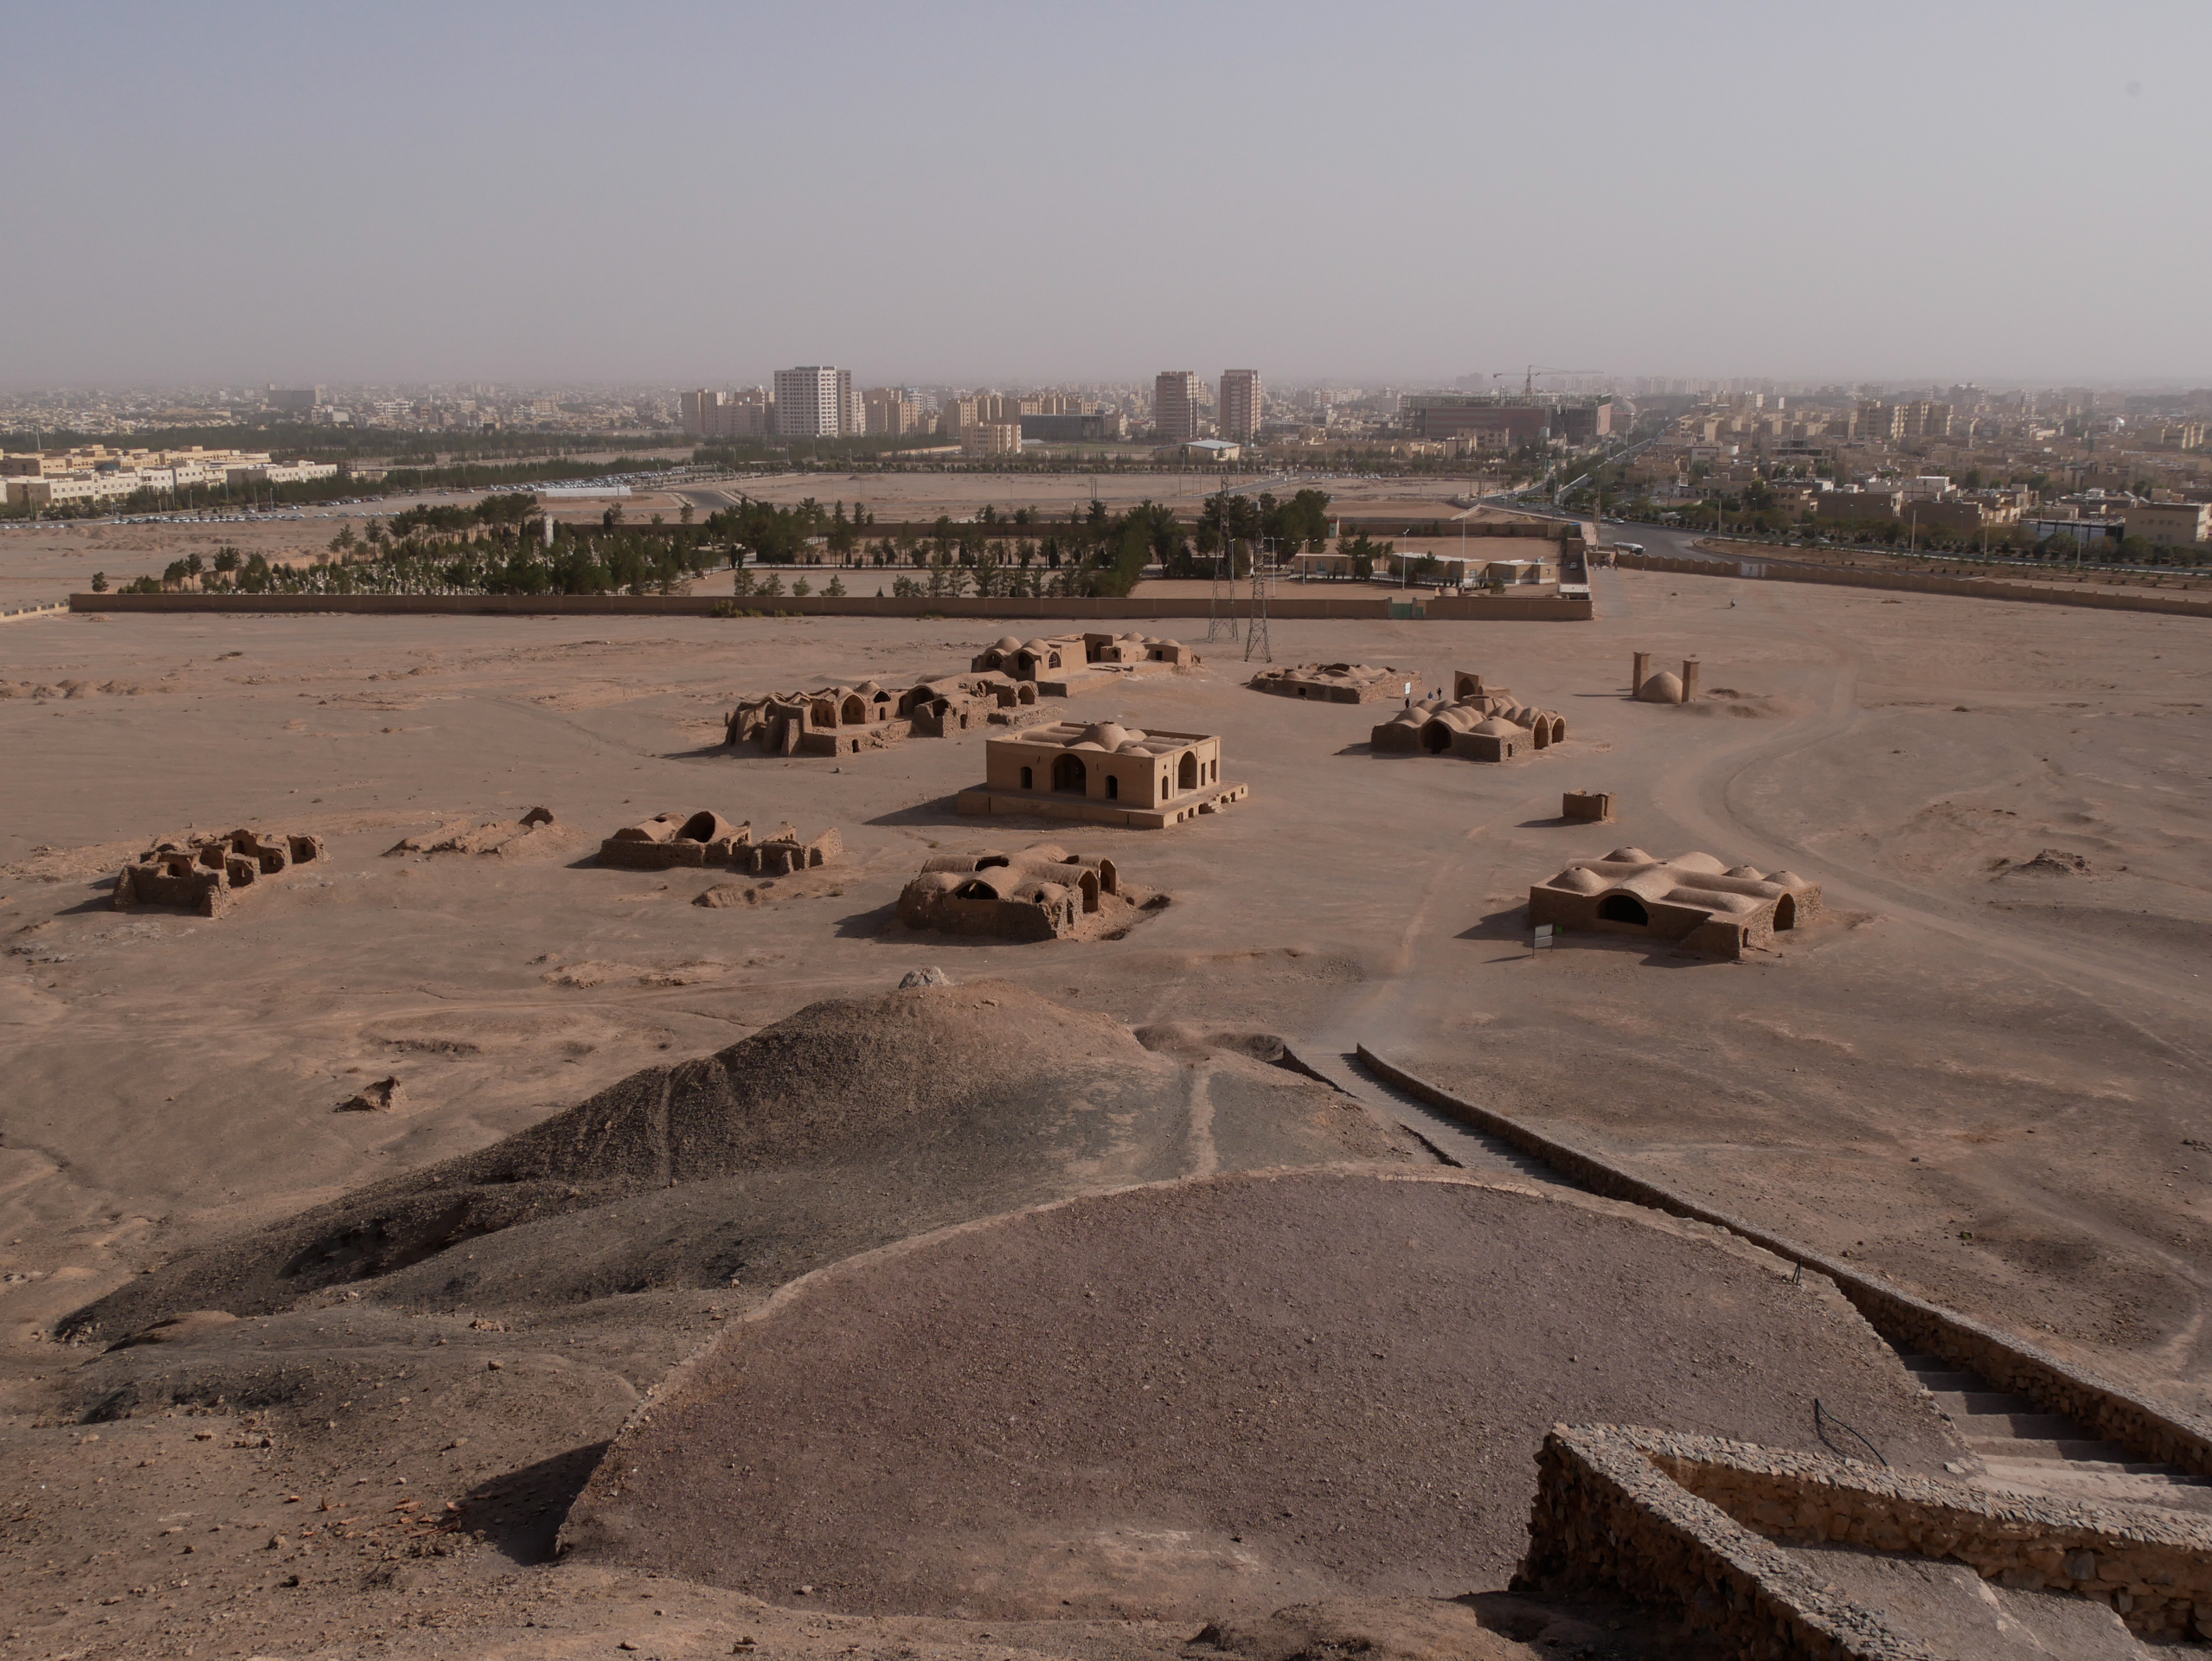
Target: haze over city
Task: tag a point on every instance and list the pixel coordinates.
(978, 193)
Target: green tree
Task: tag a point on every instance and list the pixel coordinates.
(836, 590)
(100, 582)
(801, 588)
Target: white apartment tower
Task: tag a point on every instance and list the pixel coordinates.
(1240, 415)
(1175, 406)
(816, 402)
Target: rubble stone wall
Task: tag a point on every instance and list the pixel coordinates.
(2153, 1569)
(1607, 1518)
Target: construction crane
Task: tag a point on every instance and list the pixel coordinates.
(1529, 380)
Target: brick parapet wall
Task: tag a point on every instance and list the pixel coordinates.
(1292, 607)
(1773, 568)
(2108, 1410)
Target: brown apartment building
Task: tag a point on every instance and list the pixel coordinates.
(1175, 406)
(1240, 405)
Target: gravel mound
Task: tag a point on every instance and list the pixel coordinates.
(1207, 1400)
(852, 1124)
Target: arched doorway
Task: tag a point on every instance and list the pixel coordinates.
(1186, 772)
(1113, 788)
(1068, 774)
(1623, 908)
(1786, 912)
(1436, 738)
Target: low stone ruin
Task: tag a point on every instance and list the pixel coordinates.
(846, 719)
(1664, 687)
(1338, 682)
(536, 832)
(1075, 654)
(1594, 805)
(670, 842)
(381, 1097)
(1044, 893)
(1481, 724)
(787, 852)
(203, 875)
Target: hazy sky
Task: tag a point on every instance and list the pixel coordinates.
(697, 194)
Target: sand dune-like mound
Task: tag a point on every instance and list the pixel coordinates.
(851, 1124)
(1206, 1399)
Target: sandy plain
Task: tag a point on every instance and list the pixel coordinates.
(1985, 1074)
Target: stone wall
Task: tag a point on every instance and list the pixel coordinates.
(1767, 567)
(1478, 607)
(2146, 1429)
(1607, 1518)
(1698, 1524)
(2153, 1568)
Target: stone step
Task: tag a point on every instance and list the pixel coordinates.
(1942, 1382)
(2071, 1450)
(1982, 1402)
(1978, 1428)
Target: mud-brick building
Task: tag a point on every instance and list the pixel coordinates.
(1692, 900)
(1044, 892)
(1103, 772)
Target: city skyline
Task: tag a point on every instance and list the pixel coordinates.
(1650, 195)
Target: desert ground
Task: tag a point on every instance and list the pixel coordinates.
(1983, 1073)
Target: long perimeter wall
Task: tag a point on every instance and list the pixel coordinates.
(1756, 564)
(1473, 608)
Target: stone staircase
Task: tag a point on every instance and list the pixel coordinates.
(2018, 1448)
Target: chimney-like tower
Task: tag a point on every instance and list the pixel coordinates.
(1641, 674)
(1689, 680)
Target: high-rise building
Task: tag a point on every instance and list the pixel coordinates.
(1240, 415)
(1175, 406)
(816, 402)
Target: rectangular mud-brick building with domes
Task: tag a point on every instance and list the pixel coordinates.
(1103, 773)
